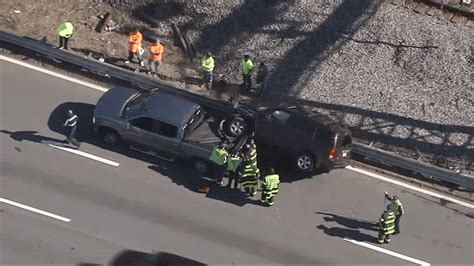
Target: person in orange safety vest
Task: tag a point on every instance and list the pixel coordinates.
(135, 41)
(156, 53)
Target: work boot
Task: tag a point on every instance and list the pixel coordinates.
(387, 240)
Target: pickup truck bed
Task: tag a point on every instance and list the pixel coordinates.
(206, 133)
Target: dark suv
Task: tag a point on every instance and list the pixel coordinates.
(309, 140)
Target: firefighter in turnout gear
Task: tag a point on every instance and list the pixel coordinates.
(252, 149)
(248, 176)
(396, 207)
(71, 122)
(270, 185)
(386, 226)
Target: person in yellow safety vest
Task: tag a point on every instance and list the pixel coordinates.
(135, 42)
(248, 176)
(207, 65)
(156, 53)
(396, 206)
(247, 68)
(219, 157)
(270, 185)
(65, 31)
(386, 226)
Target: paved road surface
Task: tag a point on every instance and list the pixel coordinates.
(151, 205)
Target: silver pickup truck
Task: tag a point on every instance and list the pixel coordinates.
(165, 125)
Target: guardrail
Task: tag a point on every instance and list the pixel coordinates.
(148, 83)
(422, 168)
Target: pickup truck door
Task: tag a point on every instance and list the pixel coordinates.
(148, 135)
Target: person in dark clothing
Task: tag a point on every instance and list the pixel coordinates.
(71, 122)
(262, 78)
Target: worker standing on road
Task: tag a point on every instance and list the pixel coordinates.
(207, 65)
(247, 68)
(233, 164)
(156, 53)
(251, 147)
(262, 78)
(386, 226)
(270, 185)
(71, 122)
(65, 31)
(249, 176)
(219, 157)
(135, 41)
(396, 207)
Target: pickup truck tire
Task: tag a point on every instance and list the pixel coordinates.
(201, 166)
(235, 126)
(305, 162)
(110, 136)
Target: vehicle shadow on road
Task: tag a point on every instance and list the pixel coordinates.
(183, 175)
(352, 230)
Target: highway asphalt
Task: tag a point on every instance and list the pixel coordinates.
(151, 205)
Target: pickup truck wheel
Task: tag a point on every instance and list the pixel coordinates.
(305, 162)
(201, 166)
(110, 137)
(235, 126)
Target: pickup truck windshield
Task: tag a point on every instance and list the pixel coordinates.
(136, 101)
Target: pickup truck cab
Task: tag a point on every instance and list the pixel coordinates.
(161, 124)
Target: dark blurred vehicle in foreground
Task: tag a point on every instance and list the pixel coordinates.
(138, 258)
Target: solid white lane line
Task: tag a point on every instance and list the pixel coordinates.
(55, 74)
(87, 155)
(399, 183)
(31, 209)
(388, 252)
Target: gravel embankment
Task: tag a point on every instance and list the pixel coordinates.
(393, 75)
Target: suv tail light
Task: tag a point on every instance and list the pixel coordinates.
(332, 154)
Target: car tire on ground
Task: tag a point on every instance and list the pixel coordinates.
(304, 162)
(201, 166)
(235, 126)
(110, 137)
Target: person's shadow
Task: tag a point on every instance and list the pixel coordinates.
(32, 136)
(349, 222)
(352, 232)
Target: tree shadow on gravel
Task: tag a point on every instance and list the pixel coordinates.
(298, 64)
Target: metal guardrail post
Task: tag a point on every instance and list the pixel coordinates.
(146, 82)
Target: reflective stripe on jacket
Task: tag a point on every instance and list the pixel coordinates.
(72, 121)
(66, 29)
(135, 40)
(156, 51)
(270, 184)
(387, 222)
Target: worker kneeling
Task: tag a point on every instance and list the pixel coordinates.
(387, 226)
(270, 185)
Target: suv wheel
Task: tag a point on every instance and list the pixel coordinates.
(235, 126)
(201, 166)
(305, 162)
(110, 137)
